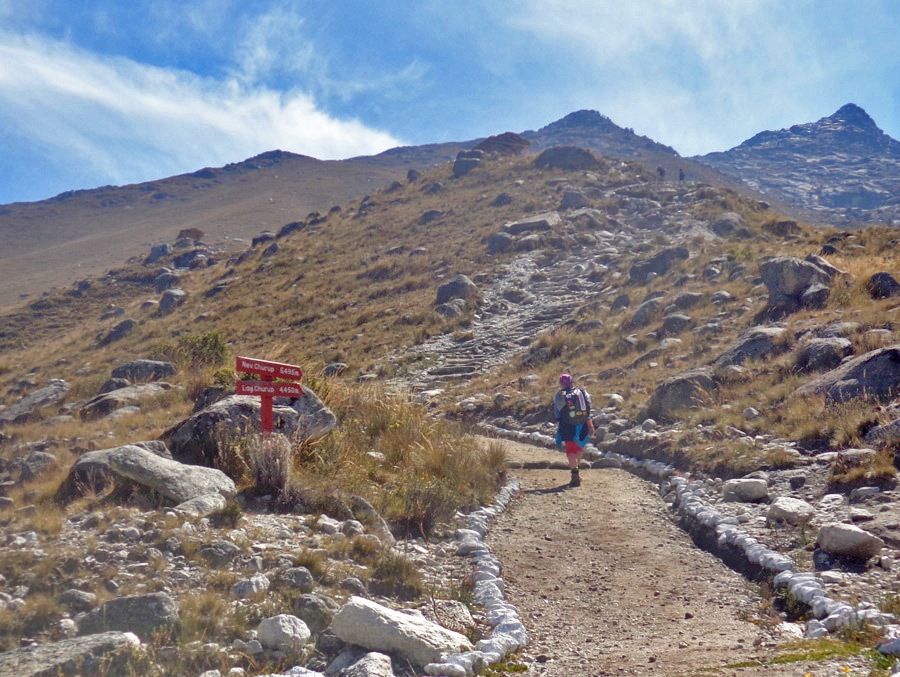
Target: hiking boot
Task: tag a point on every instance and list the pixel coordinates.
(576, 479)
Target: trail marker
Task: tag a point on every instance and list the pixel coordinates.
(267, 389)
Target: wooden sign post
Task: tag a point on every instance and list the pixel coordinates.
(267, 388)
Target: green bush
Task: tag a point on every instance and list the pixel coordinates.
(194, 350)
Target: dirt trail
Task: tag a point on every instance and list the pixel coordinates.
(607, 584)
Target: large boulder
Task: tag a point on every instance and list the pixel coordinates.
(197, 438)
(171, 299)
(795, 283)
(458, 287)
(688, 390)
(790, 510)
(882, 286)
(315, 610)
(175, 481)
(660, 264)
(283, 632)
(378, 628)
(566, 157)
(887, 434)
(754, 344)
(373, 664)
(873, 376)
(23, 410)
(141, 614)
(537, 223)
(847, 540)
(144, 370)
(646, 312)
(76, 656)
(117, 333)
(106, 403)
(745, 490)
(821, 353)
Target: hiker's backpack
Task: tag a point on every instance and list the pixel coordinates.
(576, 409)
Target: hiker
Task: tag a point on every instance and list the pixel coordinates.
(680, 175)
(572, 410)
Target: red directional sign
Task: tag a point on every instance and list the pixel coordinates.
(270, 388)
(250, 365)
(266, 389)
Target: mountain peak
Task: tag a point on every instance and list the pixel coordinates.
(583, 118)
(852, 115)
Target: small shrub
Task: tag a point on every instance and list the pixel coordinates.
(393, 573)
(194, 350)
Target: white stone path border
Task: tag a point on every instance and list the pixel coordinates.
(699, 515)
(508, 632)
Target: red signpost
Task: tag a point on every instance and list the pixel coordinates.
(267, 389)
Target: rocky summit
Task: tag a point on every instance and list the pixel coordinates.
(409, 512)
(842, 168)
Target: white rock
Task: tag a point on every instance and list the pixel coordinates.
(745, 490)
(283, 632)
(370, 625)
(373, 664)
(849, 540)
(790, 510)
(328, 525)
(250, 587)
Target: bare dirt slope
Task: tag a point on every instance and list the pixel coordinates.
(607, 584)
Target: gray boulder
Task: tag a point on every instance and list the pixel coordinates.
(219, 553)
(887, 434)
(458, 287)
(794, 283)
(821, 353)
(688, 390)
(463, 166)
(23, 410)
(117, 333)
(197, 439)
(201, 506)
(882, 286)
(727, 223)
(688, 299)
(646, 312)
(106, 403)
(500, 242)
(141, 614)
(283, 632)
(754, 344)
(373, 664)
(157, 252)
(675, 324)
(171, 299)
(76, 656)
(745, 490)
(36, 463)
(165, 280)
(300, 578)
(574, 199)
(537, 223)
(315, 610)
(378, 628)
(660, 264)
(144, 370)
(847, 540)
(113, 384)
(566, 157)
(790, 510)
(170, 479)
(873, 376)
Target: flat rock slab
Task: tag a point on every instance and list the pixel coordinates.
(68, 657)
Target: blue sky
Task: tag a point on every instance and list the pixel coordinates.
(96, 92)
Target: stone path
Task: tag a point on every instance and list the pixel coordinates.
(607, 584)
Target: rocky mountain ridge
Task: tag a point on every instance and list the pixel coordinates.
(842, 168)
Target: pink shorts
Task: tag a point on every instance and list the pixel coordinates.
(572, 447)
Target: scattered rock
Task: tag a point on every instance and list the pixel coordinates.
(283, 632)
(882, 286)
(23, 410)
(873, 376)
(790, 510)
(745, 490)
(537, 223)
(144, 370)
(171, 479)
(171, 299)
(458, 287)
(106, 403)
(660, 264)
(76, 656)
(117, 333)
(754, 344)
(315, 610)
(567, 158)
(821, 353)
(250, 587)
(848, 541)
(368, 624)
(141, 614)
(688, 390)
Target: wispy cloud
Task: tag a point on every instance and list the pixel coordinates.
(128, 121)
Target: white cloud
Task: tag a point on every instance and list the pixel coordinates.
(129, 121)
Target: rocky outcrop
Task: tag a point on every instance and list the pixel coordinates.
(141, 614)
(76, 656)
(566, 157)
(170, 300)
(873, 376)
(197, 438)
(117, 333)
(23, 410)
(882, 286)
(794, 283)
(687, 390)
(537, 223)
(659, 264)
(821, 353)
(106, 403)
(144, 370)
(172, 480)
(753, 344)
(378, 628)
(458, 287)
